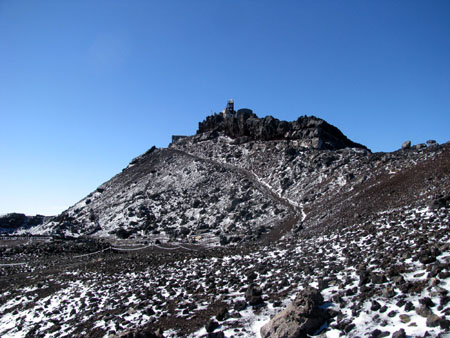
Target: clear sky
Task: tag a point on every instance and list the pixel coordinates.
(85, 86)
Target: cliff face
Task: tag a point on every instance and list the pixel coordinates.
(310, 131)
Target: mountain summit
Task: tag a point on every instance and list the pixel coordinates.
(244, 125)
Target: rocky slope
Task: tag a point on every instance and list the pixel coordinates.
(226, 184)
(225, 228)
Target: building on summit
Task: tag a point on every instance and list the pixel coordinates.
(229, 109)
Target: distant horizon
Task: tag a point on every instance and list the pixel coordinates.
(79, 101)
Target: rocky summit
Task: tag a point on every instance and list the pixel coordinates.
(245, 126)
(252, 227)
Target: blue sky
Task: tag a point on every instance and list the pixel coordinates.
(85, 86)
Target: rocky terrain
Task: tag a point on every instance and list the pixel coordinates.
(13, 221)
(250, 228)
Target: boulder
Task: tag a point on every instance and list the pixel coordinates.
(211, 326)
(433, 320)
(240, 305)
(302, 317)
(253, 295)
(423, 311)
(406, 145)
(399, 334)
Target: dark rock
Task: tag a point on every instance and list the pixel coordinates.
(251, 276)
(142, 333)
(433, 320)
(399, 334)
(219, 334)
(375, 306)
(240, 305)
(253, 295)
(375, 333)
(409, 306)
(423, 311)
(349, 327)
(312, 131)
(224, 240)
(427, 257)
(392, 313)
(444, 324)
(17, 220)
(363, 277)
(426, 301)
(211, 326)
(401, 303)
(222, 314)
(438, 203)
(351, 291)
(379, 334)
(123, 234)
(323, 284)
(378, 278)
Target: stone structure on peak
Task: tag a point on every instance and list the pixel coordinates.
(245, 126)
(229, 109)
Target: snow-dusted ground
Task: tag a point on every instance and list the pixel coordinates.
(137, 292)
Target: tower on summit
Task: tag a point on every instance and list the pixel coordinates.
(229, 109)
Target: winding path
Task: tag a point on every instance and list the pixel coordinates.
(280, 228)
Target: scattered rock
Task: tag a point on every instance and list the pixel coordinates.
(409, 306)
(426, 301)
(378, 278)
(399, 334)
(222, 314)
(389, 292)
(405, 318)
(253, 295)
(375, 306)
(423, 311)
(433, 320)
(211, 326)
(240, 305)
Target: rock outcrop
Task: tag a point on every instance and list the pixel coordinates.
(245, 126)
(406, 145)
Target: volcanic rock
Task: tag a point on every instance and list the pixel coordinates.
(302, 317)
(310, 130)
